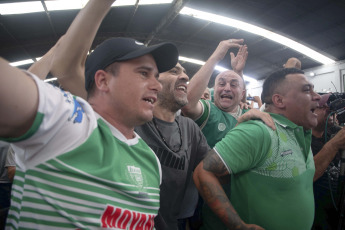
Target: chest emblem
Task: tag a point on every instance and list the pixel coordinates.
(221, 126)
(135, 176)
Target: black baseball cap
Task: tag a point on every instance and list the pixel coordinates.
(123, 49)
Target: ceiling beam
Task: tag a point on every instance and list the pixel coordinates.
(132, 17)
(170, 16)
(49, 18)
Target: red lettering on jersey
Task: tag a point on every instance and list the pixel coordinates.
(109, 217)
(125, 218)
(114, 217)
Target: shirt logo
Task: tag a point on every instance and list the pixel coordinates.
(77, 114)
(221, 126)
(118, 218)
(287, 152)
(135, 175)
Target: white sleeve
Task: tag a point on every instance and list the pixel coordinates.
(10, 159)
(62, 123)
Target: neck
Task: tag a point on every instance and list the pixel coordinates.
(164, 114)
(234, 110)
(318, 131)
(125, 129)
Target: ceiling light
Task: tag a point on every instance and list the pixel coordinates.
(65, 4)
(141, 2)
(24, 62)
(219, 68)
(21, 7)
(259, 31)
(50, 79)
(36, 6)
(151, 2)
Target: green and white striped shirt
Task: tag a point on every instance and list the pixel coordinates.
(76, 171)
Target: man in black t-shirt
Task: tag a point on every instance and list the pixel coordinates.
(325, 188)
(179, 145)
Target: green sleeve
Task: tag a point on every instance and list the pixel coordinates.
(34, 127)
(202, 120)
(245, 147)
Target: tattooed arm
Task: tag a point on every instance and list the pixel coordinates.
(206, 180)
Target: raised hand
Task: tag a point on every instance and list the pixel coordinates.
(238, 62)
(224, 46)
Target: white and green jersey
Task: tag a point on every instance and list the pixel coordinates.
(76, 171)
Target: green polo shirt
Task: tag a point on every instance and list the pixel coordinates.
(215, 123)
(272, 173)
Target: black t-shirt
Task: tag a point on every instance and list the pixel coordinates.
(326, 216)
(177, 167)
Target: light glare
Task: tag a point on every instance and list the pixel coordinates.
(21, 8)
(259, 31)
(23, 62)
(65, 5)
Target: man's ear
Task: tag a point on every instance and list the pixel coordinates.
(278, 101)
(101, 80)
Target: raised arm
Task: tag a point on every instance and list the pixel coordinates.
(199, 82)
(42, 67)
(238, 62)
(19, 101)
(69, 58)
(206, 180)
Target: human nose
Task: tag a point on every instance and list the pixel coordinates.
(155, 84)
(183, 76)
(316, 96)
(227, 87)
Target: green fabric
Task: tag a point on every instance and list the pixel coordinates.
(34, 127)
(215, 123)
(84, 187)
(272, 174)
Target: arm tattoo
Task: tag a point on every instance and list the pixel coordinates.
(215, 197)
(214, 164)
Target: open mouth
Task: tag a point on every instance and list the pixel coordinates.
(226, 96)
(182, 88)
(150, 100)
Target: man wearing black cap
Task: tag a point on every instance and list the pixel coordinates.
(83, 166)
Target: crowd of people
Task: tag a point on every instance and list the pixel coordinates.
(130, 144)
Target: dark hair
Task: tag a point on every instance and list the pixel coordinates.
(273, 82)
(112, 68)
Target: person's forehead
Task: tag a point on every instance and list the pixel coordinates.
(230, 76)
(298, 78)
(179, 66)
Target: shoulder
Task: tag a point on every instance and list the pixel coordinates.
(187, 124)
(253, 128)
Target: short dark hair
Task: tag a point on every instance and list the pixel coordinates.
(273, 81)
(112, 68)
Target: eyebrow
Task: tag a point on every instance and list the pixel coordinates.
(147, 68)
(180, 69)
(309, 85)
(231, 81)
